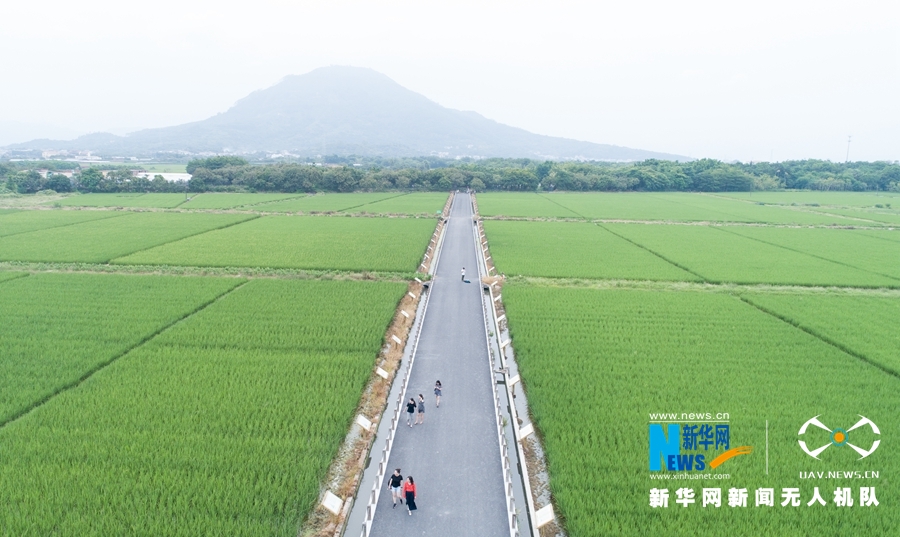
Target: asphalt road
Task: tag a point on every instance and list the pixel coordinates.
(454, 456)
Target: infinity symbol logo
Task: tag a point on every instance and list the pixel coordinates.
(839, 437)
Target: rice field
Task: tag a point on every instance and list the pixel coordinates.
(59, 327)
(573, 250)
(719, 256)
(430, 203)
(863, 325)
(216, 200)
(24, 221)
(637, 206)
(596, 363)
(304, 242)
(847, 247)
(641, 206)
(11, 275)
(739, 211)
(820, 198)
(871, 217)
(101, 240)
(521, 204)
(223, 424)
(161, 200)
(325, 203)
(885, 235)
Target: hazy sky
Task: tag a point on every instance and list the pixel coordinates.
(730, 80)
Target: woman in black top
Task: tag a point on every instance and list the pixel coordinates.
(410, 409)
(395, 482)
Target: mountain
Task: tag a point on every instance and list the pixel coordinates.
(346, 110)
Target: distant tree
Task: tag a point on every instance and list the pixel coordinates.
(89, 180)
(214, 163)
(518, 179)
(58, 182)
(723, 179)
(543, 169)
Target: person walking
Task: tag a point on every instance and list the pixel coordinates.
(395, 482)
(410, 408)
(463, 275)
(420, 417)
(437, 394)
(410, 489)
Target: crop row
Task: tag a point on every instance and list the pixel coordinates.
(596, 363)
(223, 424)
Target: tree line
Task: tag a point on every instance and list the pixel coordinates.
(235, 174)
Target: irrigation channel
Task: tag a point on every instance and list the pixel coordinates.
(457, 456)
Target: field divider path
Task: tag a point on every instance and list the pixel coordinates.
(455, 454)
(821, 337)
(101, 366)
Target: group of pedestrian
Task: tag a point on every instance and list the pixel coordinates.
(400, 489)
(418, 407)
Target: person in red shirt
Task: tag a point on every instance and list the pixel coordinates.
(410, 489)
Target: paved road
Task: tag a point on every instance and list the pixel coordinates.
(454, 457)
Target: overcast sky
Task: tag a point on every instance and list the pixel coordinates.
(746, 80)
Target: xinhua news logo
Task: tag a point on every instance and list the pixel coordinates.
(839, 437)
(691, 445)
